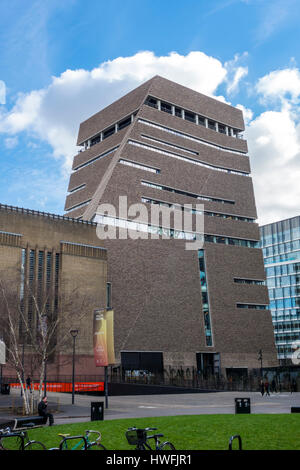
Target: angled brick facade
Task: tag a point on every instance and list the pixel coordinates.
(179, 147)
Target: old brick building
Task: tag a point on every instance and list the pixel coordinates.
(163, 144)
(56, 262)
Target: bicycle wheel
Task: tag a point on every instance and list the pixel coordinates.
(96, 446)
(11, 442)
(34, 445)
(166, 446)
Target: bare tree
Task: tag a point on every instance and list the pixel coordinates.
(10, 325)
(46, 331)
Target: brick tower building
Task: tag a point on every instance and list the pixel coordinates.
(163, 144)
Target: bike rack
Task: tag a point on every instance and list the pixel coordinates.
(238, 437)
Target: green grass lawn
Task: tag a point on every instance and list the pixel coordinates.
(201, 432)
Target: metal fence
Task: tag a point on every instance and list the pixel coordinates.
(284, 379)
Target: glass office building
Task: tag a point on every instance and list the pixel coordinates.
(281, 249)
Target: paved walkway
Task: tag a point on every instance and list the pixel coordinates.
(154, 405)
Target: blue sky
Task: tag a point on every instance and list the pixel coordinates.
(62, 61)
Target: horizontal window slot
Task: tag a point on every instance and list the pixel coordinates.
(192, 117)
(189, 137)
(187, 159)
(252, 306)
(184, 193)
(194, 211)
(78, 188)
(139, 166)
(77, 206)
(89, 162)
(192, 152)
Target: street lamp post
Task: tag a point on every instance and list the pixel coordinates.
(260, 358)
(23, 378)
(73, 333)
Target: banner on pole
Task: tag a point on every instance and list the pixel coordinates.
(110, 336)
(103, 338)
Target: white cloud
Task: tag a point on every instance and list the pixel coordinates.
(53, 114)
(2, 92)
(235, 72)
(247, 113)
(11, 142)
(274, 145)
(280, 85)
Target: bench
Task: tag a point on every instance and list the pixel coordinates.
(29, 421)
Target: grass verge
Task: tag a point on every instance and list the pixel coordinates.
(197, 432)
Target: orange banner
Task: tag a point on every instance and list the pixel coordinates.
(67, 386)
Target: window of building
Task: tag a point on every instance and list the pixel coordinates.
(109, 132)
(211, 124)
(153, 139)
(252, 306)
(151, 102)
(222, 129)
(95, 140)
(187, 159)
(178, 112)
(89, 162)
(249, 281)
(201, 120)
(189, 116)
(139, 166)
(184, 193)
(23, 269)
(167, 108)
(78, 188)
(122, 124)
(190, 137)
(205, 300)
(193, 211)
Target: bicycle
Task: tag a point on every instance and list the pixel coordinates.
(83, 442)
(140, 438)
(18, 440)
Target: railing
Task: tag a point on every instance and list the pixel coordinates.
(22, 210)
(188, 378)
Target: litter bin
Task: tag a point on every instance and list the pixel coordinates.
(242, 405)
(5, 389)
(295, 409)
(97, 411)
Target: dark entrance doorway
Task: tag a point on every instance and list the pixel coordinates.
(141, 362)
(236, 373)
(208, 364)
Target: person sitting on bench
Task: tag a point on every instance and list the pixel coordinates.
(42, 409)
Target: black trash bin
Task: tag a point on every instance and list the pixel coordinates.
(242, 405)
(5, 389)
(97, 411)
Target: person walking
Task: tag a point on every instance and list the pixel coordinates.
(273, 386)
(262, 388)
(28, 383)
(42, 409)
(267, 388)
